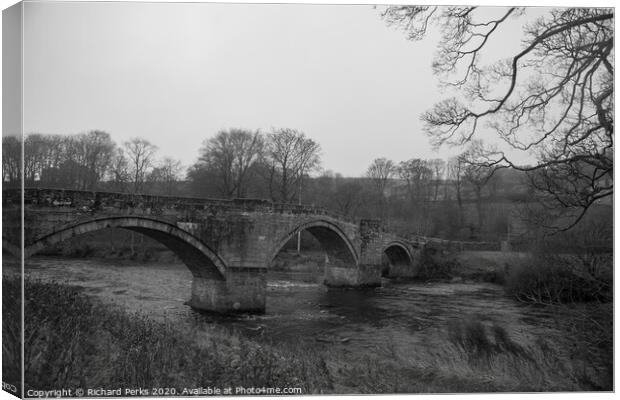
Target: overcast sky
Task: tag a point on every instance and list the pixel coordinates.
(177, 73)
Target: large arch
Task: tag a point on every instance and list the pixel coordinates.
(399, 259)
(200, 259)
(332, 239)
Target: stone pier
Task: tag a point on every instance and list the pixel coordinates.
(360, 276)
(226, 244)
(242, 290)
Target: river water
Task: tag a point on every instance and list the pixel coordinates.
(398, 316)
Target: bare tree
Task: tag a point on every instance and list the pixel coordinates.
(57, 170)
(35, 147)
(202, 181)
(229, 157)
(476, 174)
(335, 192)
(438, 168)
(554, 96)
(167, 175)
(291, 155)
(417, 175)
(74, 161)
(119, 171)
(380, 171)
(11, 160)
(348, 197)
(575, 187)
(140, 153)
(96, 152)
(456, 168)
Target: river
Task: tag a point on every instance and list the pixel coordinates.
(395, 317)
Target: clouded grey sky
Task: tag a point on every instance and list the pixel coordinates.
(176, 73)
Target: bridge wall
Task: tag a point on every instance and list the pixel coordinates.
(236, 239)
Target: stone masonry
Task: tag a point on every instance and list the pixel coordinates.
(226, 244)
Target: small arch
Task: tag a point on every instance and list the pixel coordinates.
(399, 260)
(199, 258)
(333, 240)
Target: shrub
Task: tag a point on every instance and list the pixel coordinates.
(552, 278)
(435, 266)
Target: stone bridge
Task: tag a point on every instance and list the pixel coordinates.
(226, 244)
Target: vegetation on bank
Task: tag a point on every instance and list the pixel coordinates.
(568, 277)
(73, 340)
(11, 331)
(570, 266)
(561, 278)
(544, 364)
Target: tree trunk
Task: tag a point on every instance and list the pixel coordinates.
(459, 200)
(479, 210)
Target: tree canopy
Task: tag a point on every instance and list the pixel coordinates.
(229, 157)
(553, 97)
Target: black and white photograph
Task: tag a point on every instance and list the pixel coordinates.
(294, 199)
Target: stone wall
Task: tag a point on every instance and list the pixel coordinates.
(238, 237)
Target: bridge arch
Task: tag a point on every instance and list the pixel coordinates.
(332, 238)
(399, 258)
(199, 258)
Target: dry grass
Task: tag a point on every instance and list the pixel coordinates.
(72, 341)
(11, 331)
(478, 358)
(473, 358)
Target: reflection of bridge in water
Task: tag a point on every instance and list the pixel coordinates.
(226, 244)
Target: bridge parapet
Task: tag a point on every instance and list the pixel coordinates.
(227, 244)
(155, 204)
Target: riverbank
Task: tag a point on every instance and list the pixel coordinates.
(75, 341)
(108, 346)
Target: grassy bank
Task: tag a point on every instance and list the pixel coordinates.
(575, 287)
(75, 341)
(11, 327)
